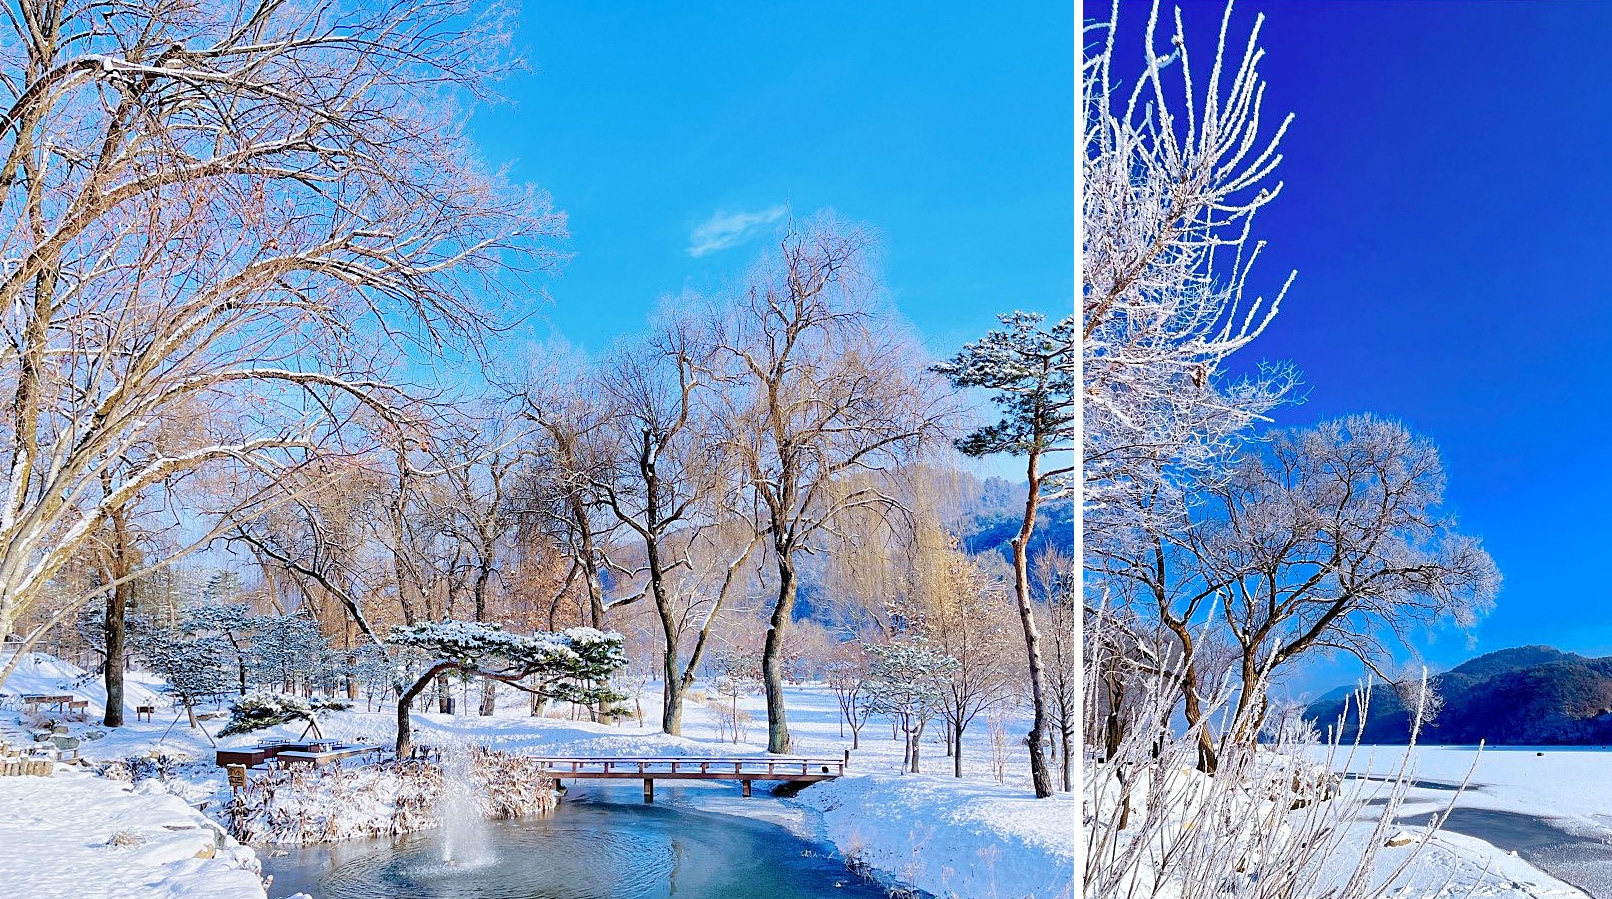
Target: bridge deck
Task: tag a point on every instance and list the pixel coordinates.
(651, 769)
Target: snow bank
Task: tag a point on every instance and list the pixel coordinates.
(78, 835)
(951, 838)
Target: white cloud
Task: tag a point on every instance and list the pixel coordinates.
(729, 229)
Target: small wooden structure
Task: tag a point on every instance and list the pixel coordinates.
(315, 753)
(319, 757)
(60, 702)
(237, 777)
(144, 711)
(650, 769)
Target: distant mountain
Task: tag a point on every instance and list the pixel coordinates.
(1527, 695)
(991, 521)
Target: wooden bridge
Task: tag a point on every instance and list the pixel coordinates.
(650, 769)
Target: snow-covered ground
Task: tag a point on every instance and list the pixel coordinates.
(1550, 805)
(79, 835)
(964, 838)
(968, 838)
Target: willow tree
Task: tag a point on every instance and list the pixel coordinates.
(825, 401)
(234, 216)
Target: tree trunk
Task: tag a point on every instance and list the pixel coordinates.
(1113, 723)
(671, 706)
(772, 655)
(1039, 773)
(917, 740)
(1067, 736)
(116, 606)
(444, 695)
(489, 698)
(405, 702)
(957, 750)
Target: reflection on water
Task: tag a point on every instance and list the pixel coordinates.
(585, 849)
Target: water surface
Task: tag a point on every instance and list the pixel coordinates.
(587, 848)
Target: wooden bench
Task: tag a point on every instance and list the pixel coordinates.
(35, 700)
(79, 707)
(144, 712)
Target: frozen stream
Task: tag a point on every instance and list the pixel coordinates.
(601, 843)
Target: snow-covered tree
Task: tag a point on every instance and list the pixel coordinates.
(1172, 181)
(291, 651)
(574, 665)
(907, 681)
(263, 710)
(194, 669)
(737, 674)
(236, 624)
(1333, 538)
(1029, 372)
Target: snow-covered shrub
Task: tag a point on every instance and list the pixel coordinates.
(303, 806)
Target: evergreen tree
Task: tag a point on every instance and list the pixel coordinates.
(1029, 372)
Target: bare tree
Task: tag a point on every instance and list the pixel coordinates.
(966, 617)
(818, 393)
(670, 488)
(1334, 537)
(1055, 578)
(212, 206)
(559, 494)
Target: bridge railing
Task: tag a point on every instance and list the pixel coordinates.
(762, 766)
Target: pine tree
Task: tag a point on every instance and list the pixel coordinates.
(1030, 374)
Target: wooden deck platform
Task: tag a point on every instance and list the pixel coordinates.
(745, 770)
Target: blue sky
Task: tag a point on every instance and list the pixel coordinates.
(677, 137)
(1447, 208)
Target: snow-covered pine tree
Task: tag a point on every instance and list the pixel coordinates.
(1029, 372)
(195, 669)
(574, 665)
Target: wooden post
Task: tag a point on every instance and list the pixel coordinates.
(237, 777)
(745, 788)
(846, 762)
(649, 789)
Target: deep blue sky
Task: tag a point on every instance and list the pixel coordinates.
(1448, 207)
(946, 127)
